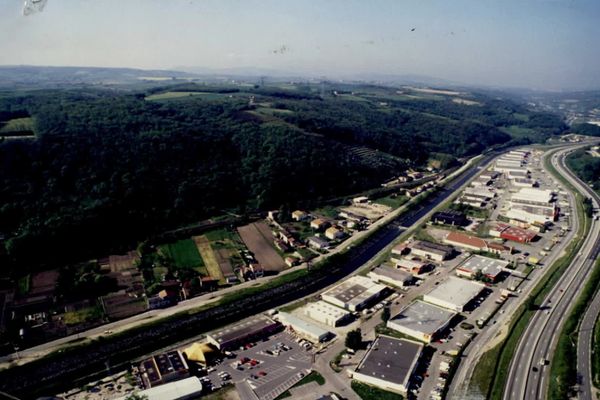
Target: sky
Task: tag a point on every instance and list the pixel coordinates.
(540, 44)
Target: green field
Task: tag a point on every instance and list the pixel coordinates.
(518, 132)
(185, 254)
(393, 202)
(17, 126)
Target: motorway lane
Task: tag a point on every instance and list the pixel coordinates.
(543, 331)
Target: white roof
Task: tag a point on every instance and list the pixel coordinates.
(323, 307)
(533, 194)
(455, 291)
(302, 325)
(184, 388)
(355, 290)
(487, 266)
(422, 317)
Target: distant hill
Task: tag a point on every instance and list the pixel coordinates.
(108, 168)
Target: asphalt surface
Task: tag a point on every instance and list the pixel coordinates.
(529, 370)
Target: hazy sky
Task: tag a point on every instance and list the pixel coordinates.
(529, 43)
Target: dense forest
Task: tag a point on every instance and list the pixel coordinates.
(108, 168)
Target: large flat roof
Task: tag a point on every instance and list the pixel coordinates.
(393, 273)
(487, 266)
(302, 325)
(431, 247)
(242, 329)
(533, 195)
(355, 290)
(391, 359)
(423, 317)
(183, 388)
(324, 307)
(456, 291)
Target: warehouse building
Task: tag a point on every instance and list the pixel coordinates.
(450, 217)
(326, 313)
(392, 276)
(422, 321)
(433, 251)
(466, 241)
(413, 266)
(512, 233)
(524, 182)
(303, 328)
(236, 335)
(355, 293)
(491, 268)
(185, 389)
(389, 364)
(454, 293)
(163, 368)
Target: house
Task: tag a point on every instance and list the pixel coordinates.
(299, 215)
(319, 224)
(318, 243)
(334, 233)
(291, 261)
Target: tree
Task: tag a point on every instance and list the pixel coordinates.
(354, 339)
(385, 314)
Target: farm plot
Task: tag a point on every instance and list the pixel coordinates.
(185, 255)
(212, 265)
(258, 239)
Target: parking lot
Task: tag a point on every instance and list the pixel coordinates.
(267, 369)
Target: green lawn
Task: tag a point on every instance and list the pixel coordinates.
(367, 392)
(87, 314)
(184, 253)
(23, 284)
(393, 202)
(327, 211)
(518, 132)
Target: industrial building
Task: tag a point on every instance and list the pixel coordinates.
(454, 293)
(421, 321)
(163, 368)
(326, 313)
(524, 182)
(390, 275)
(450, 217)
(389, 364)
(413, 266)
(491, 268)
(512, 233)
(303, 328)
(532, 205)
(433, 251)
(238, 334)
(466, 241)
(355, 293)
(184, 389)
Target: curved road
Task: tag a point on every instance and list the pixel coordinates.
(541, 335)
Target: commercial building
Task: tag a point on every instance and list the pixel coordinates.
(517, 174)
(185, 389)
(390, 275)
(454, 293)
(326, 313)
(421, 321)
(524, 182)
(512, 233)
(389, 364)
(450, 217)
(355, 293)
(480, 193)
(238, 334)
(401, 249)
(466, 241)
(491, 268)
(303, 328)
(430, 250)
(163, 368)
(413, 266)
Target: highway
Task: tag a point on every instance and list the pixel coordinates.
(527, 377)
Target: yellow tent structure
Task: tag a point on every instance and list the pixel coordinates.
(202, 353)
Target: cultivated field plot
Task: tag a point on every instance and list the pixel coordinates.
(17, 127)
(179, 95)
(210, 261)
(185, 255)
(258, 239)
(372, 211)
(223, 257)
